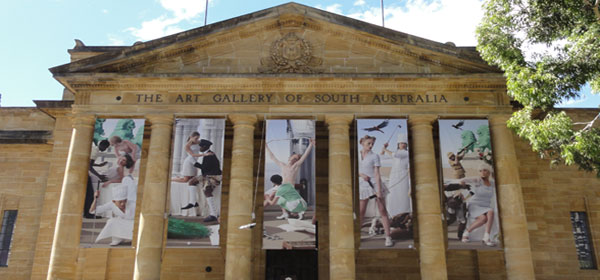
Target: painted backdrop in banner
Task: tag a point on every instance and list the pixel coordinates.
(469, 189)
(289, 189)
(111, 191)
(196, 176)
(384, 189)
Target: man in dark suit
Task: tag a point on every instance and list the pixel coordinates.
(210, 178)
(89, 193)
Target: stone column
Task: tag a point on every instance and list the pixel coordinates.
(238, 262)
(178, 147)
(341, 222)
(432, 251)
(517, 252)
(152, 219)
(65, 245)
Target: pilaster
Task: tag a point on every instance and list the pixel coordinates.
(432, 251)
(517, 252)
(341, 222)
(238, 263)
(152, 220)
(65, 244)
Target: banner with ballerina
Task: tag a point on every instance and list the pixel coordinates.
(196, 176)
(111, 191)
(289, 185)
(384, 188)
(468, 189)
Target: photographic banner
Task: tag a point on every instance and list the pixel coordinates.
(196, 180)
(385, 204)
(468, 189)
(289, 185)
(111, 191)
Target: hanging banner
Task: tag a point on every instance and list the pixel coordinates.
(384, 189)
(196, 176)
(289, 188)
(111, 192)
(468, 189)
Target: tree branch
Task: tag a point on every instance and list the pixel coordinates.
(594, 8)
(589, 125)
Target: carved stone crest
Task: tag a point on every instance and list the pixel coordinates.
(290, 54)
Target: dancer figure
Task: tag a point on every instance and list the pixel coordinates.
(120, 226)
(452, 197)
(210, 181)
(398, 200)
(94, 176)
(270, 194)
(192, 148)
(369, 164)
(125, 147)
(116, 174)
(286, 196)
(480, 203)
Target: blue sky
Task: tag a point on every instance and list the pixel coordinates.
(37, 34)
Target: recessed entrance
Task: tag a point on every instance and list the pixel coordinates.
(292, 265)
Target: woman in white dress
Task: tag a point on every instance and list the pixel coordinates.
(192, 149)
(116, 174)
(481, 204)
(398, 200)
(189, 171)
(370, 185)
(119, 226)
(125, 147)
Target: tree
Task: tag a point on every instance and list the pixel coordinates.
(548, 50)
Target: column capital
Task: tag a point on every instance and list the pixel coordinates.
(247, 119)
(83, 120)
(160, 119)
(422, 119)
(499, 119)
(339, 119)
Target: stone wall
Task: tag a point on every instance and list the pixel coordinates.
(24, 169)
(550, 194)
(31, 177)
(24, 118)
(57, 158)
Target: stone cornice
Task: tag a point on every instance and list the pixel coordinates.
(281, 82)
(359, 111)
(54, 108)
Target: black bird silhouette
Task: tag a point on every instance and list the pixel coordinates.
(459, 125)
(378, 127)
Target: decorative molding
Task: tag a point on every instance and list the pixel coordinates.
(82, 98)
(291, 54)
(309, 85)
(147, 60)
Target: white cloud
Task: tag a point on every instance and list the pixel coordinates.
(582, 102)
(437, 20)
(180, 10)
(359, 3)
(184, 9)
(115, 41)
(334, 8)
(104, 11)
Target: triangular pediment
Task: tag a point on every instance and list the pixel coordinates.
(290, 38)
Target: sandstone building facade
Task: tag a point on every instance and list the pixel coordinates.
(290, 61)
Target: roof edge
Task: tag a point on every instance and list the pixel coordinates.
(115, 53)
